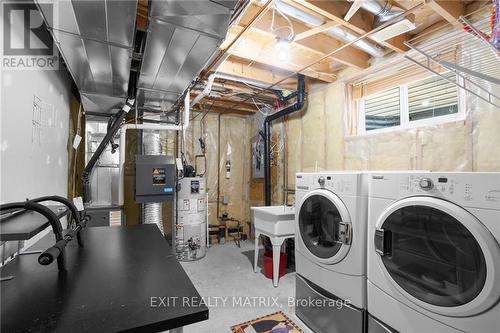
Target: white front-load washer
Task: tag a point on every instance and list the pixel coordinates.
(330, 250)
(433, 252)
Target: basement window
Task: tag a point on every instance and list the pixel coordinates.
(383, 110)
(429, 101)
(432, 97)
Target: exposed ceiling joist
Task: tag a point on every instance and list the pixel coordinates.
(449, 10)
(315, 31)
(225, 110)
(361, 22)
(260, 48)
(353, 9)
(317, 43)
(226, 103)
(142, 15)
(268, 75)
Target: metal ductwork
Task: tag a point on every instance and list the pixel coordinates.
(183, 35)
(382, 9)
(95, 39)
(341, 33)
(348, 35)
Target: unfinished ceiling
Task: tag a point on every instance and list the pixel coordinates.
(266, 45)
(323, 38)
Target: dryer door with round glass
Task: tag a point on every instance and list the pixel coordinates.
(324, 225)
(439, 256)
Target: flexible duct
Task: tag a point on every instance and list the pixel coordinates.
(382, 9)
(151, 127)
(341, 33)
(152, 212)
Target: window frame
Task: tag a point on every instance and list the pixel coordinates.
(404, 115)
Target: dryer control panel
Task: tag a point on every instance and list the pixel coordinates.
(472, 189)
(344, 183)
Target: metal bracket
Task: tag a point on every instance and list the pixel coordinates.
(491, 99)
(478, 33)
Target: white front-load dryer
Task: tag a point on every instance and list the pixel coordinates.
(330, 250)
(433, 252)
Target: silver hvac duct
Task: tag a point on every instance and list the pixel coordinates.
(182, 38)
(152, 212)
(338, 32)
(95, 39)
(382, 9)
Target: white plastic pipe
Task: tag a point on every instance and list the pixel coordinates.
(150, 127)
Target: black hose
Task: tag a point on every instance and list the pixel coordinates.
(102, 146)
(47, 213)
(111, 121)
(53, 252)
(71, 207)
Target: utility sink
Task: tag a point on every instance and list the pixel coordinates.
(275, 220)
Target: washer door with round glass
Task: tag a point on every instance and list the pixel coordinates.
(439, 256)
(325, 227)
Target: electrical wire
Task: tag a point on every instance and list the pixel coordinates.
(75, 158)
(204, 112)
(275, 9)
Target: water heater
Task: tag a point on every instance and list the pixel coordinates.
(191, 219)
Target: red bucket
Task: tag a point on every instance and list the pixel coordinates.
(268, 264)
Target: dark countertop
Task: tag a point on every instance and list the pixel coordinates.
(26, 224)
(107, 287)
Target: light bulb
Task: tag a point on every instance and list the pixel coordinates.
(283, 50)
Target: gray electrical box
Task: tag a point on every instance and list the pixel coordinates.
(258, 159)
(154, 178)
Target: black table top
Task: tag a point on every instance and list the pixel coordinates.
(108, 286)
(26, 224)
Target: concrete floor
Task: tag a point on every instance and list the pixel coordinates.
(227, 271)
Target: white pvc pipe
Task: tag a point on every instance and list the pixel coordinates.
(150, 127)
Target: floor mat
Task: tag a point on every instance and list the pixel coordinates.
(276, 322)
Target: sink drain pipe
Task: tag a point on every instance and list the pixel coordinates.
(298, 105)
